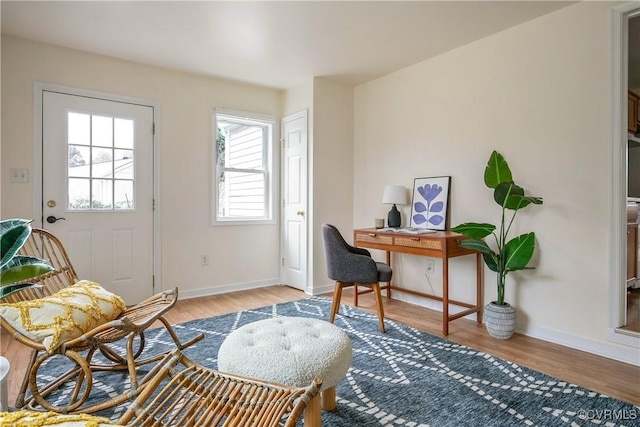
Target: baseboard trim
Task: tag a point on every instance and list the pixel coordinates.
(626, 352)
(319, 290)
(216, 290)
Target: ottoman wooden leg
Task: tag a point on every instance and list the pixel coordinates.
(312, 413)
(329, 399)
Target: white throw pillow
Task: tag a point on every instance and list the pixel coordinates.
(65, 315)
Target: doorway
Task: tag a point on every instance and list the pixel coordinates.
(95, 157)
(295, 218)
(632, 307)
(623, 70)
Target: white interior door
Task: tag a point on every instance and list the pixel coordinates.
(294, 195)
(97, 189)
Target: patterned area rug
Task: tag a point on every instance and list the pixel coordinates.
(409, 378)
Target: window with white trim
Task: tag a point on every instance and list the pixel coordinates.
(243, 190)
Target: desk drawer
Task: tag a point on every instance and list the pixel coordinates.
(374, 238)
(416, 242)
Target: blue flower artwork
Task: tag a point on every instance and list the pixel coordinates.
(429, 206)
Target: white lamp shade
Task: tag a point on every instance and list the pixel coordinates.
(395, 194)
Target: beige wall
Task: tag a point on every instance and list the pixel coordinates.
(332, 178)
(187, 103)
(539, 93)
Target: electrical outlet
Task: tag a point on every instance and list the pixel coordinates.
(204, 260)
(430, 265)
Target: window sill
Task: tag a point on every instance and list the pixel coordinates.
(218, 223)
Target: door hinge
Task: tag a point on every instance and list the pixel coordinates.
(283, 203)
(282, 142)
(153, 128)
(153, 284)
(283, 262)
(153, 204)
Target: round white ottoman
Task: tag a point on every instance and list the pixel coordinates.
(290, 351)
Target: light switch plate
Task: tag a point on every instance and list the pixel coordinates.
(19, 175)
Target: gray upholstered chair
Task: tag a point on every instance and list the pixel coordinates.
(351, 266)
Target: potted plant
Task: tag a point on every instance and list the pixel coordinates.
(16, 270)
(509, 255)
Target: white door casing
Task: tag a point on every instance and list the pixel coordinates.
(294, 201)
(111, 245)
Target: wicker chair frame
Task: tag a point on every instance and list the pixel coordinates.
(183, 393)
(130, 325)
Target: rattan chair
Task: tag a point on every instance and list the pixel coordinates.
(130, 325)
(183, 393)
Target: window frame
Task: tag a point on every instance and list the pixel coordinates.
(91, 178)
(268, 170)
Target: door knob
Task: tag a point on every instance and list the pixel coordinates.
(301, 213)
(52, 219)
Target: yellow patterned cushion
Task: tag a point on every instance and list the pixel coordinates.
(65, 315)
(36, 419)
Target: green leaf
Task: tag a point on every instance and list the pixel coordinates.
(13, 232)
(533, 200)
(518, 251)
(474, 230)
(20, 273)
(497, 171)
(492, 262)
(509, 195)
(5, 291)
(22, 260)
(490, 257)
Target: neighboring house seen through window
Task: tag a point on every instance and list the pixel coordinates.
(243, 176)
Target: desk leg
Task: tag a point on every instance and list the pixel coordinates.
(355, 294)
(479, 267)
(389, 283)
(445, 295)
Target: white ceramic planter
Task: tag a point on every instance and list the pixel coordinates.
(500, 320)
(4, 372)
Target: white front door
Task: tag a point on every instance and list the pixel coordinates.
(294, 196)
(97, 189)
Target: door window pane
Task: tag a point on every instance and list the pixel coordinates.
(102, 131)
(123, 164)
(101, 194)
(79, 194)
(123, 194)
(123, 133)
(78, 128)
(79, 164)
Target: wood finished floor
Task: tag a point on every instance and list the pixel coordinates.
(610, 377)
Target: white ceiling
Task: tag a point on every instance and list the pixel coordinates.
(275, 44)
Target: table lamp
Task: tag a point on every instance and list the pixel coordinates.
(395, 195)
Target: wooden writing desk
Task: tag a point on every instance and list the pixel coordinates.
(441, 244)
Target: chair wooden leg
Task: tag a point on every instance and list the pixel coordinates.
(355, 295)
(22, 393)
(312, 413)
(378, 298)
(335, 304)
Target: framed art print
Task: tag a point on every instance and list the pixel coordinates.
(429, 203)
